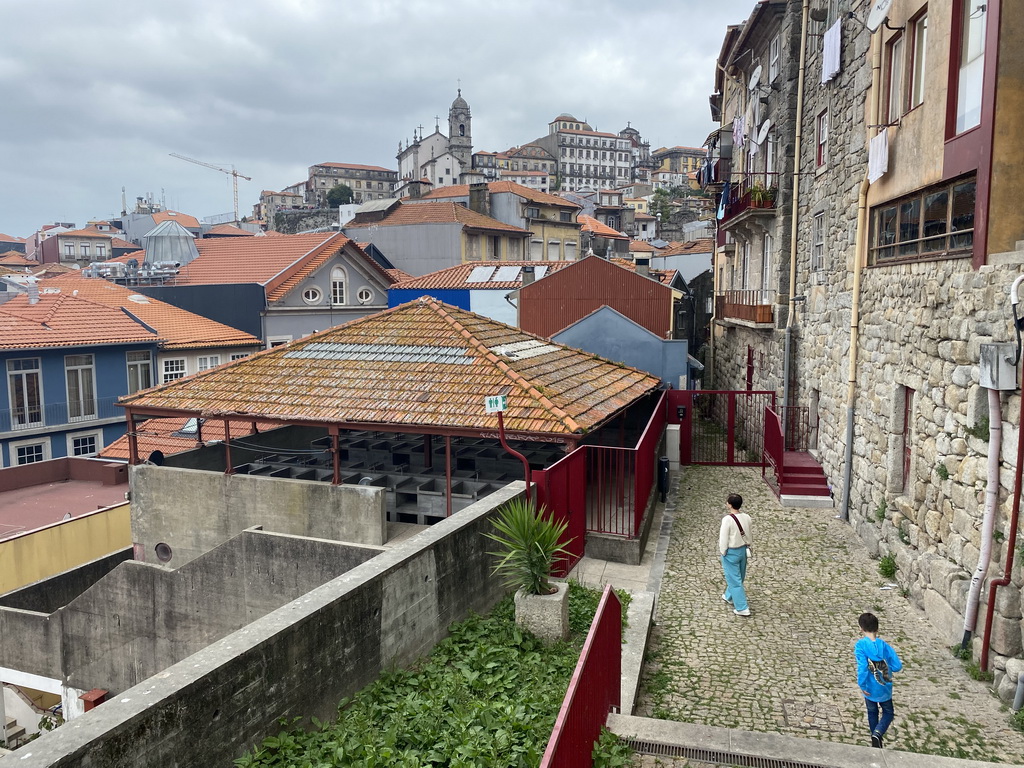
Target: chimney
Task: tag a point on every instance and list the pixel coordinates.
(527, 276)
(643, 266)
(32, 288)
(478, 198)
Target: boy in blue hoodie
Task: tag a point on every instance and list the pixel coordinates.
(876, 663)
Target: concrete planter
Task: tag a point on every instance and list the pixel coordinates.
(546, 616)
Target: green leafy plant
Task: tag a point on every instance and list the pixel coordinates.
(942, 471)
(887, 566)
(998, 536)
(530, 539)
(1017, 720)
(959, 652)
(610, 751)
(980, 429)
(881, 510)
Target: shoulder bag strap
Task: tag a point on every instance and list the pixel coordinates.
(737, 521)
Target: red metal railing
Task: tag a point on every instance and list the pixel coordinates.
(774, 444)
(562, 489)
(798, 428)
(594, 689)
(752, 191)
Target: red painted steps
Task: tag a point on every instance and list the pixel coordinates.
(802, 481)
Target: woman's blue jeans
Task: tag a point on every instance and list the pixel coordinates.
(734, 566)
(879, 725)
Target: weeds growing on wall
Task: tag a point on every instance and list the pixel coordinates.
(887, 566)
(487, 695)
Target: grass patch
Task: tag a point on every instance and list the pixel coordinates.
(887, 566)
(487, 695)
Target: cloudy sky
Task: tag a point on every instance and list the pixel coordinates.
(96, 94)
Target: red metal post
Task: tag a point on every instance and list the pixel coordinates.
(133, 439)
(228, 470)
(336, 458)
(448, 474)
(507, 447)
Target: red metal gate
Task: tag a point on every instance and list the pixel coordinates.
(562, 488)
(719, 426)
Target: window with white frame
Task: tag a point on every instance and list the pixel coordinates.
(101, 252)
(174, 368)
(745, 268)
(140, 371)
(25, 387)
(821, 137)
(278, 341)
(970, 28)
(919, 41)
(894, 65)
(85, 443)
(774, 48)
(208, 361)
(69, 250)
(766, 266)
(818, 242)
(365, 295)
(29, 451)
(239, 355)
(337, 286)
(85, 250)
(79, 372)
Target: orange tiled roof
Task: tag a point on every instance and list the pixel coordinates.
(353, 167)
(457, 276)
(17, 259)
(86, 233)
(159, 435)
(63, 320)
(10, 238)
(703, 245)
(641, 246)
(189, 222)
(663, 276)
(533, 195)
(177, 328)
(49, 270)
(595, 227)
(296, 275)
(423, 365)
(398, 275)
(230, 229)
(439, 213)
(8, 270)
(117, 242)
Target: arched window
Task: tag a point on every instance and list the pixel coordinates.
(462, 129)
(337, 286)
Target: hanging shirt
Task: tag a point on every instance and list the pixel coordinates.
(878, 156)
(832, 44)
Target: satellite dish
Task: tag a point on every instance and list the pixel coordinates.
(879, 12)
(762, 134)
(365, 480)
(755, 77)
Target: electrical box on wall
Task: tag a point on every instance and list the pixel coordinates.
(997, 368)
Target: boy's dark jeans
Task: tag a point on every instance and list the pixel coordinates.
(879, 726)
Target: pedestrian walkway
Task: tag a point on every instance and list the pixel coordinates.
(789, 668)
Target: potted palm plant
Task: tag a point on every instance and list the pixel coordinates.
(529, 540)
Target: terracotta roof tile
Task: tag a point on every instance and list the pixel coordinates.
(663, 276)
(17, 259)
(117, 242)
(533, 195)
(439, 213)
(398, 275)
(63, 320)
(702, 246)
(165, 435)
(592, 225)
(86, 233)
(10, 238)
(423, 365)
(189, 222)
(354, 167)
(177, 328)
(230, 230)
(458, 276)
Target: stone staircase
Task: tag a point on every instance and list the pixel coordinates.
(14, 733)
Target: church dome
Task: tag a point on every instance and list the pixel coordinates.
(460, 103)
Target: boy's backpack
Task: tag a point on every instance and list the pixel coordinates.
(880, 670)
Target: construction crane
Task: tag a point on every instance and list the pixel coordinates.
(235, 175)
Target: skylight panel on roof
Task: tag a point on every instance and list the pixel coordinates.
(539, 272)
(480, 275)
(523, 350)
(506, 274)
(390, 353)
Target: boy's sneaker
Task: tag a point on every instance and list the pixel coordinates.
(744, 612)
(724, 597)
(876, 741)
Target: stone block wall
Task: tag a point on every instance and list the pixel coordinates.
(298, 661)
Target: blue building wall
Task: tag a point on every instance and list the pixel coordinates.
(110, 381)
(458, 298)
(609, 334)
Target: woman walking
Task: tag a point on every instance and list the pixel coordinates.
(733, 544)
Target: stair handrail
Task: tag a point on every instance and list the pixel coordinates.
(774, 444)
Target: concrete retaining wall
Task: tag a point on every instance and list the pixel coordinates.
(193, 511)
(299, 660)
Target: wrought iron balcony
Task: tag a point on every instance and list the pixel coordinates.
(754, 195)
(29, 419)
(749, 306)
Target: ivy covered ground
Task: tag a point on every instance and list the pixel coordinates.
(488, 695)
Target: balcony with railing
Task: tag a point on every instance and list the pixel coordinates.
(752, 196)
(749, 307)
(35, 418)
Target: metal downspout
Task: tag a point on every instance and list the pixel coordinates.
(859, 245)
(794, 219)
(995, 437)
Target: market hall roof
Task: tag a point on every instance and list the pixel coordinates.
(425, 366)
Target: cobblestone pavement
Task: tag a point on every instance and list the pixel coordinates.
(789, 668)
